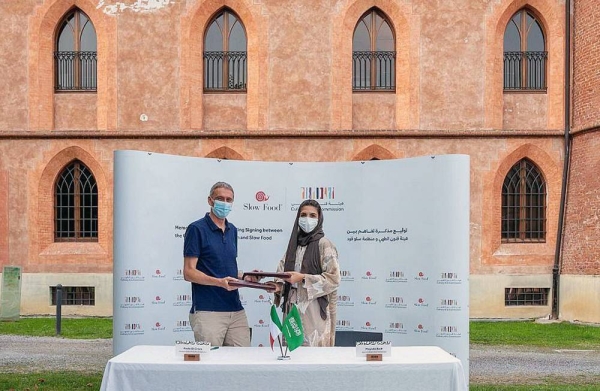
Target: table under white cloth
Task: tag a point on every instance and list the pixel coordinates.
(149, 368)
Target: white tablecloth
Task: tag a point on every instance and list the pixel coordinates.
(231, 369)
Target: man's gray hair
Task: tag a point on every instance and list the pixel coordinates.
(220, 185)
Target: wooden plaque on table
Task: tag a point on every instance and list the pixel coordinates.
(374, 357)
(191, 357)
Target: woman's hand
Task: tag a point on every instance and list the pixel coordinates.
(295, 277)
(273, 287)
(253, 278)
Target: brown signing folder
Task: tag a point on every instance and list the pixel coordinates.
(267, 274)
(248, 284)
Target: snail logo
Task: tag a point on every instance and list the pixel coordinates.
(369, 276)
(421, 303)
(368, 326)
(368, 301)
(420, 329)
(261, 196)
(261, 323)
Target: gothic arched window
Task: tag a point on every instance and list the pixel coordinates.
(75, 204)
(225, 53)
(524, 204)
(75, 56)
(525, 53)
(373, 53)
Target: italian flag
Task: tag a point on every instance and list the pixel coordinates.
(275, 327)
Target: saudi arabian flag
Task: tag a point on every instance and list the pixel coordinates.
(292, 329)
(275, 328)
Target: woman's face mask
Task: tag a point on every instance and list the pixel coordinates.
(307, 224)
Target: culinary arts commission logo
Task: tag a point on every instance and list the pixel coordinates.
(448, 331)
(448, 305)
(325, 195)
(396, 302)
(132, 302)
(346, 275)
(449, 278)
(132, 275)
(345, 301)
(182, 326)
(132, 329)
(396, 276)
(178, 276)
(317, 193)
(396, 328)
(343, 324)
(182, 300)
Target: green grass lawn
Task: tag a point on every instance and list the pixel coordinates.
(76, 328)
(51, 381)
(529, 333)
(521, 333)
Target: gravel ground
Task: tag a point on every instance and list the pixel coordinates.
(488, 364)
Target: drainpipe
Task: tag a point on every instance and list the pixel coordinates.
(567, 160)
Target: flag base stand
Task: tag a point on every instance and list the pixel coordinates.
(284, 358)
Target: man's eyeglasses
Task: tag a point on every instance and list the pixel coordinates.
(223, 199)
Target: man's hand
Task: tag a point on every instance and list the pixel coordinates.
(294, 278)
(224, 283)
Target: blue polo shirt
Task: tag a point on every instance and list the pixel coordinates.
(216, 252)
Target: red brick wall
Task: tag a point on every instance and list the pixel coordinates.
(586, 63)
(3, 218)
(581, 254)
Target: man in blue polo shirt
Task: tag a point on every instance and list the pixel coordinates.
(210, 252)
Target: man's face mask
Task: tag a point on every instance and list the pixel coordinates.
(221, 208)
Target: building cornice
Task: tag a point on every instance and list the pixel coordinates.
(224, 134)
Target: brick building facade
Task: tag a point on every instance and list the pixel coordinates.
(301, 99)
(580, 282)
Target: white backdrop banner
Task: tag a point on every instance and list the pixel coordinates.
(401, 228)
